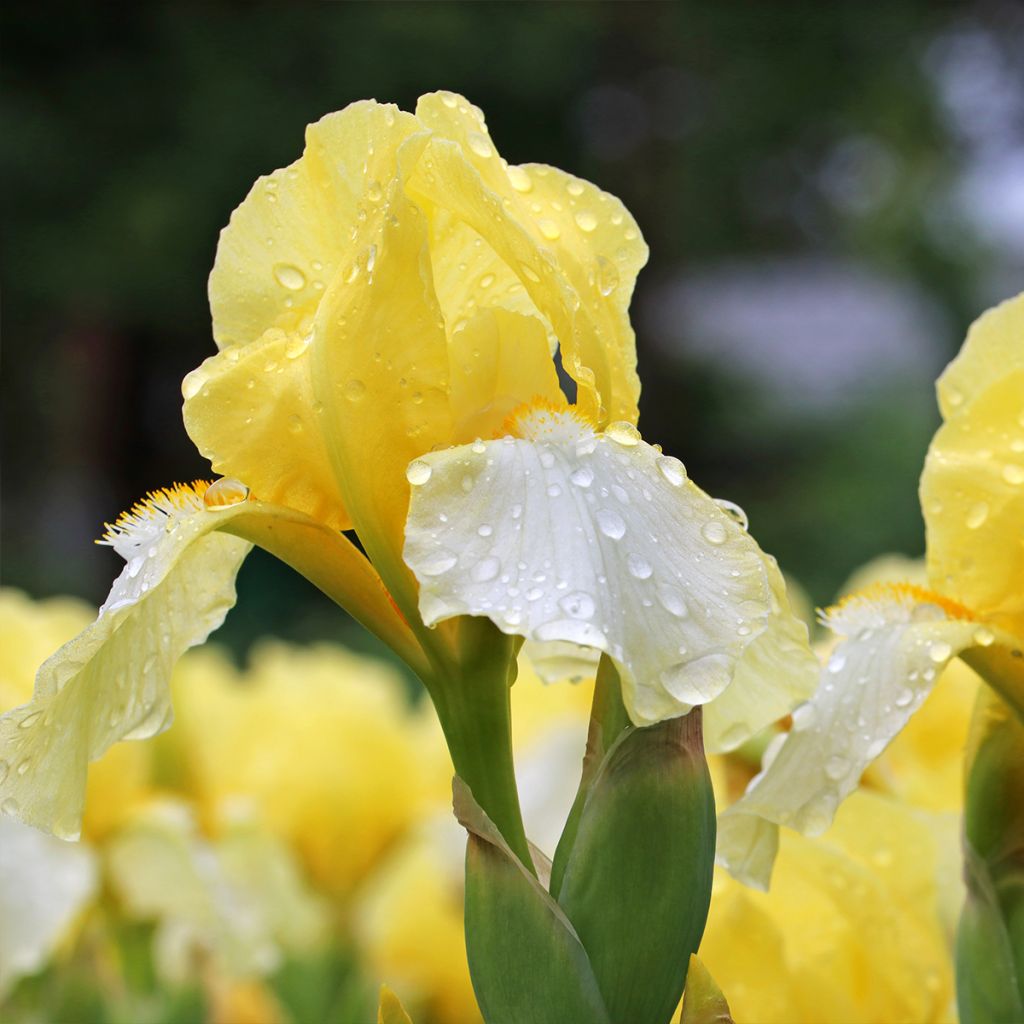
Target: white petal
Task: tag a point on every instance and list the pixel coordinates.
(594, 539)
(899, 641)
(111, 681)
(776, 673)
(44, 885)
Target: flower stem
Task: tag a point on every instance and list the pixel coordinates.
(472, 702)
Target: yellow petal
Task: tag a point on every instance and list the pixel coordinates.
(499, 361)
(574, 248)
(384, 398)
(251, 411)
(993, 350)
(972, 495)
(293, 233)
(596, 539)
(391, 1010)
(239, 734)
(898, 641)
(44, 886)
(852, 929)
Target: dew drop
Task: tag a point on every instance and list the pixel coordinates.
(577, 605)
(672, 470)
(582, 477)
(610, 523)
(479, 144)
(355, 390)
(450, 100)
(714, 533)
(586, 220)
(549, 229)
(485, 570)
(24, 766)
(438, 562)
(554, 491)
(733, 511)
(836, 767)
(984, 637)
(1013, 474)
(574, 188)
(296, 345)
(977, 516)
(672, 601)
(374, 192)
(837, 662)
(418, 472)
(9, 807)
(529, 273)
(224, 493)
(484, 530)
(639, 567)
(940, 651)
(519, 179)
(904, 697)
(623, 433)
(289, 276)
(607, 276)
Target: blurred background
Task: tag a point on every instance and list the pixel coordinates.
(831, 193)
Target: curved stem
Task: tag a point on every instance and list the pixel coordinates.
(474, 709)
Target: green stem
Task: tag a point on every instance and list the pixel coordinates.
(473, 704)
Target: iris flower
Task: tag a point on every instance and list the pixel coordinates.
(387, 413)
(897, 638)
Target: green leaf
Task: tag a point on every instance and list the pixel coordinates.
(526, 961)
(637, 884)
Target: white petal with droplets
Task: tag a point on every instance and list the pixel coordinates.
(572, 516)
(872, 683)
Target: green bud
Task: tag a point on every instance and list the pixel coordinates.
(525, 959)
(637, 879)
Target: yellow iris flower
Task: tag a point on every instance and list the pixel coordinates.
(389, 312)
(897, 638)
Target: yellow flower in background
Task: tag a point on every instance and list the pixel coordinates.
(898, 637)
(851, 931)
(318, 743)
(390, 310)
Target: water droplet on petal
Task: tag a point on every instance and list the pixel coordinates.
(484, 530)
(582, 477)
(355, 390)
(9, 807)
(578, 605)
(574, 188)
(479, 144)
(289, 276)
(714, 532)
(977, 516)
(607, 276)
(836, 767)
(672, 470)
(297, 344)
(485, 570)
(940, 651)
(586, 220)
(837, 662)
(623, 433)
(486, 281)
(549, 229)
(418, 472)
(984, 637)
(673, 602)
(639, 567)
(610, 523)
(1013, 474)
(193, 383)
(733, 511)
(438, 562)
(224, 493)
(519, 179)
(904, 697)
